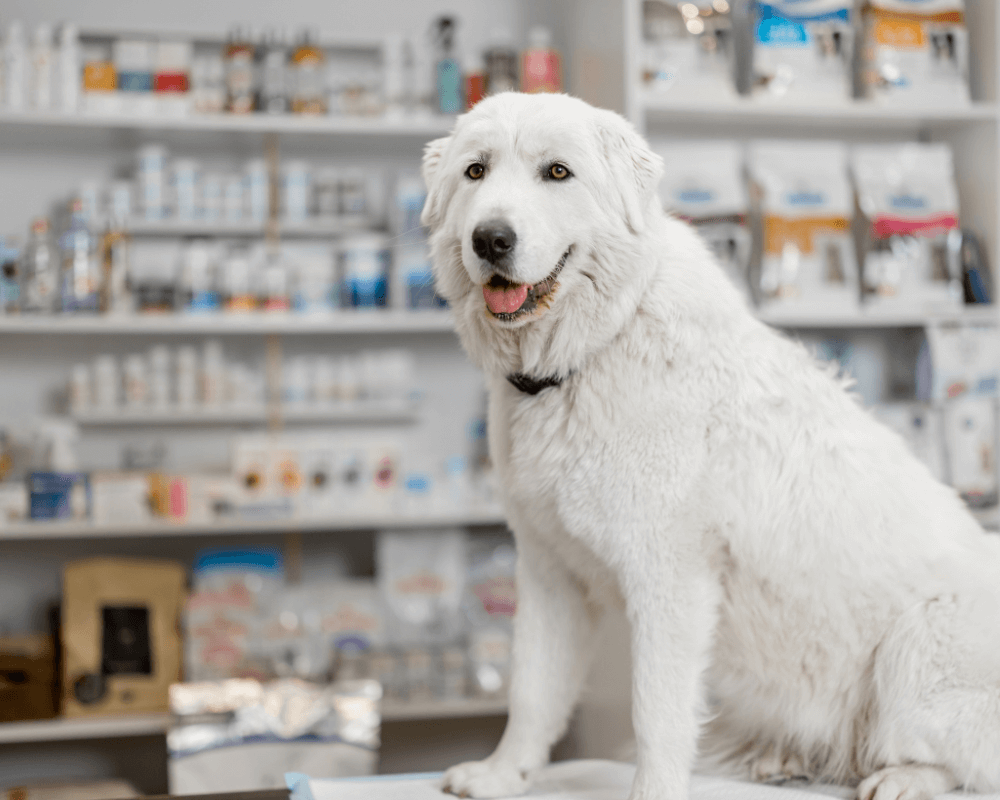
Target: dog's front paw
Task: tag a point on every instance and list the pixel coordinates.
(484, 779)
(909, 782)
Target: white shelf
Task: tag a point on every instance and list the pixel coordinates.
(360, 411)
(318, 228)
(69, 529)
(66, 729)
(260, 323)
(662, 109)
(370, 322)
(395, 711)
(402, 127)
(878, 318)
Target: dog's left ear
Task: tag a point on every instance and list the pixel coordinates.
(431, 214)
(635, 169)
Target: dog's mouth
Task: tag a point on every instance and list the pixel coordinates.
(508, 301)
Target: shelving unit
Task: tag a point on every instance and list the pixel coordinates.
(314, 229)
(360, 411)
(69, 729)
(248, 324)
(485, 515)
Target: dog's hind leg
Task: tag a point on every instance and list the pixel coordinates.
(553, 642)
(936, 698)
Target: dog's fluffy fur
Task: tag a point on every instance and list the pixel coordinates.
(800, 589)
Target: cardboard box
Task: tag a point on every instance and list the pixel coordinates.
(28, 686)
(121, 635)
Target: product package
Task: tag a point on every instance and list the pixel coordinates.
(916, 52)
(121, 640)
(421, 576)
(243, 735)
(911, 246)
(808, 262)
(231, 592)
(490, 602)
(688, 50)
(803, 49)
(963, 361)
(703, 184)
(29, 688)
(59, 495)
(921, 427)
(970, 435)
(120, 498)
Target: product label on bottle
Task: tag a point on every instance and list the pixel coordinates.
(449, 85)
(130, 81)
(540, 72)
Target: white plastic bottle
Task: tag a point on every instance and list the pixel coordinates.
(15, 72)
(68, 71)
(42, 69)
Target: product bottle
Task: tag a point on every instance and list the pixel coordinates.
(501, 64)
(40, 289)
(308, 76)
(393, 74)
(10, 277)
(42, 68)
(68, 80)
(239, 59)
(80, 279)
(15, 73)
(447, 72)
(274, 75)
(541, 69)
(475, 81)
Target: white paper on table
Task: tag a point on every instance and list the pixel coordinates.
(571, 780)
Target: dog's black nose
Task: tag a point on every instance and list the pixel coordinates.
(493, 240)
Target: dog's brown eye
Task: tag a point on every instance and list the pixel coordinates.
(558, 172)
(475, 171)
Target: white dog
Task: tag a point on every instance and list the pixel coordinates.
(786, 566)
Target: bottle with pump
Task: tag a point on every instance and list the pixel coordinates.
(42, 69)
(307, 64)
(68, 69)
(80, 279)
(447, 72)
(501, 64)
(274, 74)
(15, 73)
(541, 68)
(40, 291)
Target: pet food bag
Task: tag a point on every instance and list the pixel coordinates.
(970, 426)
(703, 184)
(803, 49)
(916, 52)
(688, 50)
(911, 245)
(242, 735)
(808, 263)
(421, 576)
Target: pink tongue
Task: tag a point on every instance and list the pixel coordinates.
(506, 301)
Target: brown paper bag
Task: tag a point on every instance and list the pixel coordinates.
(121, 634)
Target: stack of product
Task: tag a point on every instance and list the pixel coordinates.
(914, 258)
(185, 380)
(914, 52)
(435, 623)
(270, 74)
(340, 259)
(307, 476)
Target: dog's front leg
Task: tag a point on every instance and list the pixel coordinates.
(553, 639)
(671, 605)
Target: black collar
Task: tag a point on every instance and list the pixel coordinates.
(528, 385)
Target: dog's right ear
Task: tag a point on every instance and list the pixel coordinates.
(433, 205)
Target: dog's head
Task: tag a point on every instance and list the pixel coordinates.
(534, 204)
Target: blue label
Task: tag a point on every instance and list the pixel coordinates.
(202, 302)
(786, 12)
(805, 198)
(129, 81)
(365, 292)
(449, 86)
(907, 201)
(695, 196)
(778, 32)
